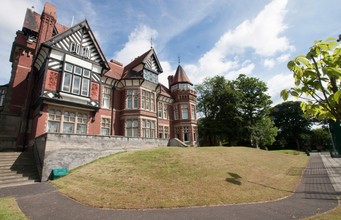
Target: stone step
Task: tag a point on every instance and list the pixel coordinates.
(17, 183)
(19, 177)
(17, 168)
(14, 173)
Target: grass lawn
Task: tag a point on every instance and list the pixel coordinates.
(180, 177)
(9, 209)
(294, 152)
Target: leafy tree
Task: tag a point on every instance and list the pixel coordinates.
(318, 80)
(218, 102)
(291, 123)
(254, 103)
(263, 133)
(320, 137)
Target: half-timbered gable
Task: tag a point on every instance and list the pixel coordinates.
(75, 65)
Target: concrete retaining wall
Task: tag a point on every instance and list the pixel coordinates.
(71, 151)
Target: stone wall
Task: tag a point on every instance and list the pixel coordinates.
(71, 151)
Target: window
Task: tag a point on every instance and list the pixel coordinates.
(184, 111)
(82, 51)
(163, 132)
(160, 131)
(148, 128)
(2, 96)
(148, 101)
(105, 126)
(186, 134)
(193, 112)
(85, 52)
(132, 99)
(176, 112)
(163, 110)
(65, 121)
(106, 97)
(131, 128)
(160, 110)
(54, 120)
(177, 133)
(76, 80)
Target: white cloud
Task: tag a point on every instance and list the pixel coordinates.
(283, 58)
(269, 63)
(277, 83)
(138, 43)
(262, 35)
(11, 19)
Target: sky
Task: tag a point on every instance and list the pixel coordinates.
(207, 37)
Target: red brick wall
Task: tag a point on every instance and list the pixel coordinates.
(52, 80)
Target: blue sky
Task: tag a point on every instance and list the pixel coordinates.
(211, 37)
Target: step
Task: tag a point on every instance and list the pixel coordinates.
(17, 184)
(15, 178)
(14, 173)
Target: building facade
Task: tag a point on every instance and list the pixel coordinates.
(61, 82)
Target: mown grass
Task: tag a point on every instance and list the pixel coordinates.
(294, 152)
(10, 210)
(179, 177)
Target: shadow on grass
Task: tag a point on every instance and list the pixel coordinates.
(234, 179)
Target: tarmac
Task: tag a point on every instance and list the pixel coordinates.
(317, 192)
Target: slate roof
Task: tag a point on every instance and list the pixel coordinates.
(180, 76)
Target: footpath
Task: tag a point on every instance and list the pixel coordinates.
(317, 192)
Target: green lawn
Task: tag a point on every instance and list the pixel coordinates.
(9, 210)
(180, 177)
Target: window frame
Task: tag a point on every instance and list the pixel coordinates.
(74, 81)
(68, 117)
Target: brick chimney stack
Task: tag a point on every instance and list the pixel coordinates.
(170, 81)
(47, 22)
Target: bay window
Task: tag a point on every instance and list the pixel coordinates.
(76, 80)
(67, 121)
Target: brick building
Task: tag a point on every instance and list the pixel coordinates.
(61, 82)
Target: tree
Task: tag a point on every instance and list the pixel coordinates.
(320, 138)
(318, 80)
(263, 133)
(218, 102)
(291, 123)
(254, 103)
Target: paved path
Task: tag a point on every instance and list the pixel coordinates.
(314, 194)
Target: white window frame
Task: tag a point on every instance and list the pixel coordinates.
(106, 98)
(67, 118)
(76, 73)
(132, 99)
(105, 126)
(184, 111)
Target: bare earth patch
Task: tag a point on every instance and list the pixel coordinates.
(181, 177)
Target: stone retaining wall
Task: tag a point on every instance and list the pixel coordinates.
(71, 151)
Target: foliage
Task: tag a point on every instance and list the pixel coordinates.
(293, 126)
(320, 138)
(234, 111)
(263, 132)
(254, 105)
(218, 101)
(318, 80)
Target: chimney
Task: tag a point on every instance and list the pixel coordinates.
(47, 22)
(170, 81)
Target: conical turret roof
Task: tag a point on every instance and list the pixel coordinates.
(180, 76)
